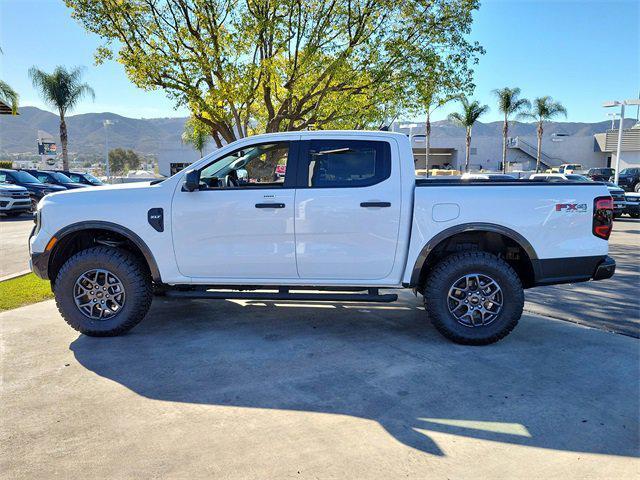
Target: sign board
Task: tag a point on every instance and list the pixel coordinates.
(47, 148)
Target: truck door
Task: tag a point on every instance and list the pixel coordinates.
(239, 224)
(347, 209)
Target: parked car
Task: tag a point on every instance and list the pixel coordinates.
(488, 176)
(629, 179)
(632, 207)
(54, 178)
(600, 174)
(37, 189)
(83, 178)
(619, 201)
(559, 177)
(348, 217)
(14, 200)
(566, 168)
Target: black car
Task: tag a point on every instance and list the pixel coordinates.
(629, 179)
(633, 204)
(36, 188)
(601, 174)
(84, 178)
(54, 178)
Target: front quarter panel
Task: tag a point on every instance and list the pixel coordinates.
(125, 205)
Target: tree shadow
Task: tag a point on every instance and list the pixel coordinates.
(538, 387)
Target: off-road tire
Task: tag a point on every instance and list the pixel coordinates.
(445, 274)
(133, 274)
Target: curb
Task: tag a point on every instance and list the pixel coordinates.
(14, 275)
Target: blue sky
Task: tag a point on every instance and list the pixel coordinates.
(579, 52)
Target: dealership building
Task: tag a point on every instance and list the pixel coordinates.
(589, 150)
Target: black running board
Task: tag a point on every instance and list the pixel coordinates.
(372, 296)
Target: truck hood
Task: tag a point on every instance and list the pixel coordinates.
(103, 190)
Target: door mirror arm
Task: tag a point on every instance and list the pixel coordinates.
(192, 181)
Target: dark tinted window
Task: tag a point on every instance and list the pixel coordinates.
(346, 163)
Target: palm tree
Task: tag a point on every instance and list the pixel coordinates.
(471, 111)
(545, 109)
(63, 90)
(509, 104)
(195, 135)
(9, 97)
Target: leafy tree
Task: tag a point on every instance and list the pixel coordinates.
(121, 160)
(196, 135)
(471, 111)
(509, 103)
(251, 66)
(544, 109)
(62, 89)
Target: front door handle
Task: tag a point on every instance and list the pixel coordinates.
(375, 204)
(270, 205)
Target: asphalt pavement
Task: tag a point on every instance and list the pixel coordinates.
(276, 390)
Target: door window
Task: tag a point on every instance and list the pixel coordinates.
(345, 163)
(257, 166)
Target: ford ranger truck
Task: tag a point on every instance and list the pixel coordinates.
(344, 219)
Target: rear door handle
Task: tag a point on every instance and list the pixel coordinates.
(375, 204)
(270, 205)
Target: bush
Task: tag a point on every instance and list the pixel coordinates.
(6, 164)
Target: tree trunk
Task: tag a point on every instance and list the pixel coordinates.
(539, 152)
(427, 140)
(63, 141)
(468, 151)
(505, 132)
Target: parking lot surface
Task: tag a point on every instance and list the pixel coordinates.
(14, 248)
(222, 389)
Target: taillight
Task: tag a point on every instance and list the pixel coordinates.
(602, 217)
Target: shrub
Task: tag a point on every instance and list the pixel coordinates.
(6, 164)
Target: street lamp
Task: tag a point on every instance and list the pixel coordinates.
(107, 169)
(621, 104)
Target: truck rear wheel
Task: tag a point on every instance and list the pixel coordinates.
(473, 298)
(103, 291)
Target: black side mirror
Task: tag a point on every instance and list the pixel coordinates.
(192, 181)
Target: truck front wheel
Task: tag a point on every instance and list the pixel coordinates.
(473, 298)
(103, 291)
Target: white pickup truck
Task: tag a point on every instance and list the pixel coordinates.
(346, 218)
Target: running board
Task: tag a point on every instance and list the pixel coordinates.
(283, 294)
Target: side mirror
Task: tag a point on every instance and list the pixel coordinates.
(192, 181)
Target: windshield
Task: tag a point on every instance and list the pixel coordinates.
(24, 177)
(577, 178)
(60, 177)
(92, 179)
(630, 171)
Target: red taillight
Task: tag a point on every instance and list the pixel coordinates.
(602, 217)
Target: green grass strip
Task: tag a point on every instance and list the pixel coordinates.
(23, 290)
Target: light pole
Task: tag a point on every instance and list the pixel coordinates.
(107, 169)
(621, 104)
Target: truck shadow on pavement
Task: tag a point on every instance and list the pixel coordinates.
(549, 385)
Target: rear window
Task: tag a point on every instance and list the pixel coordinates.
(346, 163)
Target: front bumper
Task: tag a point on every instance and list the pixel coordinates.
(39, 264)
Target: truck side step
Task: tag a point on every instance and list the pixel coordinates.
(283, 294)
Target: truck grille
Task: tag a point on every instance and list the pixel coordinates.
(618, 196)
(19, 194)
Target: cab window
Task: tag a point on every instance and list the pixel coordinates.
(345, 163)
(257, 166)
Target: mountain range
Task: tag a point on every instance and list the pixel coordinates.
(155, 135)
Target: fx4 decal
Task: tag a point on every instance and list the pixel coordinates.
(571, 207)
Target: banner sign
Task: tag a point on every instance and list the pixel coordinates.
(47, 148)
